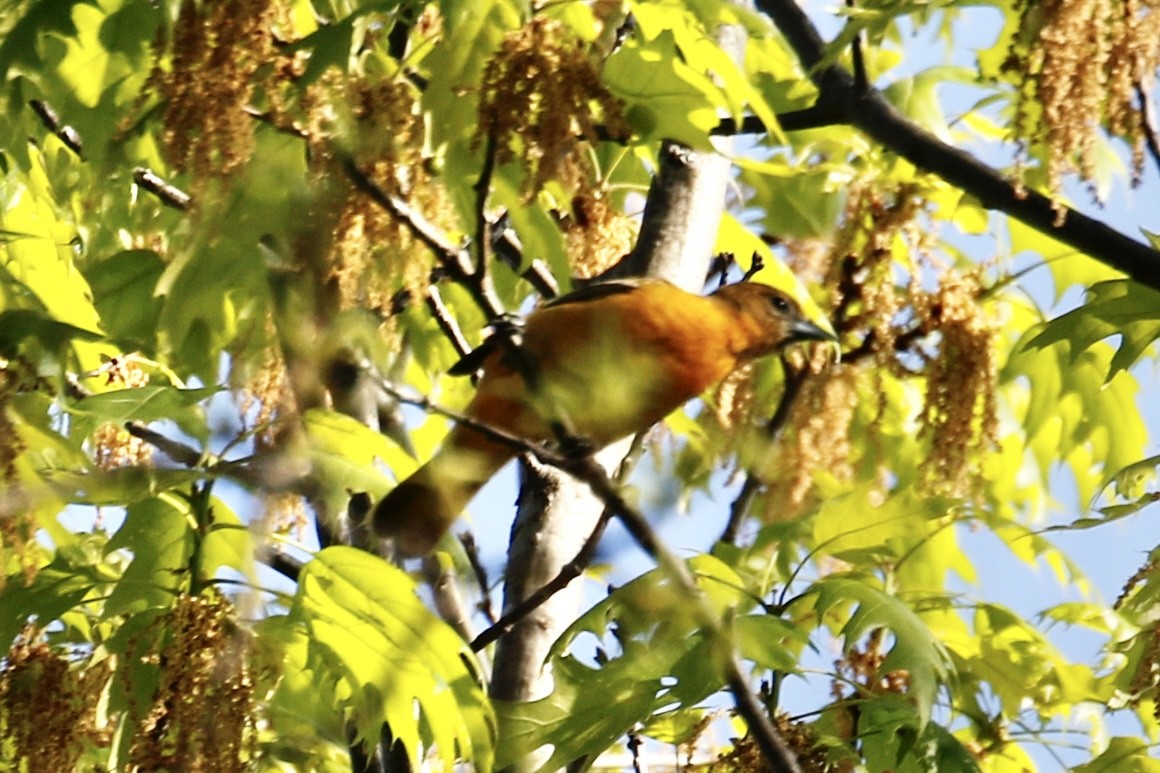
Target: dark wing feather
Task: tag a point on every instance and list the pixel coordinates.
(599, 290)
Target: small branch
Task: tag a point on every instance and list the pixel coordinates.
(268, 118)
(65, 133)
(170, 195)
(481, 579)
(287, 566)
(178, 452)
(902, 342)
(507, 248)
(818, 116)
(482, 189)
(454, 259)
(446, 322)
(861, 81)
(400, 32)
(870, 112)
(448, 599)
(569, 572)
(794, 379)
(585, 468)
(541, 452)
(1148, 124)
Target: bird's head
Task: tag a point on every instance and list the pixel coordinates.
(771, 319)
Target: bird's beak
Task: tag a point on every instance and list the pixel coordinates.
(804, 330)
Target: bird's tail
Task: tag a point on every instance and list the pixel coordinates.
(420, 510)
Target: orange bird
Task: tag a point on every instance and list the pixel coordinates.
(611, 359)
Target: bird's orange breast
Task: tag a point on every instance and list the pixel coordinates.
(609, 367)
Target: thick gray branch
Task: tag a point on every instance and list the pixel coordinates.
(868, 110)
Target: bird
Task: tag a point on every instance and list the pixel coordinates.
(606, 361)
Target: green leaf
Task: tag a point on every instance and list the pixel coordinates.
(121, 485)
(849, 525)
(916, 650)
(301, 709)
(474, 30)
(1123, 755)
(85, 65)
(1072, 408)
(145, 404)
(585, 714)
(1020, 664)
(45, 265)
(370, 632)
(20, 41)
(917, 97)
(769, 642)
(229, 543)
(1068, 267)
(802, 204)
(54, 590)
(18, 325)
(664, 663)
(330, 46)
(893, 740)
(665, 98)
(1117, 307)
(1131, 480)
(123, 291)
(674, 727)
(343, 452)
(158, 533)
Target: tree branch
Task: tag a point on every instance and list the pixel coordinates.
(568, 572)
(170, 195)
(467, 540)
(454, 259)
(773, 748)
(585, 468)
(794, 379)
(1148, 124)
(869, 111)
(65, 133)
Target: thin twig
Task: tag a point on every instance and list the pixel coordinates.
(450, 255)
(446, 322)
(569, 571)
(177, 451)
(507, 248)
(287, 566)
(794, 379)
(454, 259)
(861, 81)
(65, 133)
(289, 128)
(467, 539)
(818, 116)
(170, 196)
(1148, 124)
(482, 189)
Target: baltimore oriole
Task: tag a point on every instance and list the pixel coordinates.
(608, 360)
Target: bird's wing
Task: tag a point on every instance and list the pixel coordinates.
(477, 357)
(599, 290)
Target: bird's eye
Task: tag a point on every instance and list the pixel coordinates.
(780, 303)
